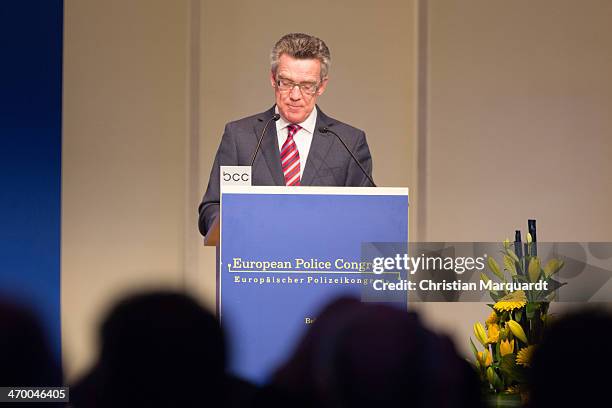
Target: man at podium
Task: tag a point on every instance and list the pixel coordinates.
(293, 143)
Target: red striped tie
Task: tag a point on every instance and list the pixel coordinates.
(290, 158)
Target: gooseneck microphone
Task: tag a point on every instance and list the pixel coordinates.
(328, 130)
(263, 132)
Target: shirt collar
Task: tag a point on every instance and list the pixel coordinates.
(308, 124)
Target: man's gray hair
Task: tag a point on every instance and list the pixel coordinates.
(301, 46)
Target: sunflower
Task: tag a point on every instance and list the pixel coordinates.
(513, 300)
(492, 319)
(523, 357)
(493, 333)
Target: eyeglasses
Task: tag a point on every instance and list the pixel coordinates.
(285, 85)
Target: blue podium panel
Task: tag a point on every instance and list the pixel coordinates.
(286, 252)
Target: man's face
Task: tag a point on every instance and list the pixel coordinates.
(295, 104)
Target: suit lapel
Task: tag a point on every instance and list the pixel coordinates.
(269, 147)
(321, 143)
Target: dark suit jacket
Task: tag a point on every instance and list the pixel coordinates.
(328, 163)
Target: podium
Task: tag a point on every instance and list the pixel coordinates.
(285, 252)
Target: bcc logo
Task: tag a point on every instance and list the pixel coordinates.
(236, 176)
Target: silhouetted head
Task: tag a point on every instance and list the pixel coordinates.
(160, 349)
(569, 366)
(364, 355)
(25, 355)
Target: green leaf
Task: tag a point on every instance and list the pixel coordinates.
(509, 368)
(474, 349)
(553, 286)
(518, 315)
(498, 383)
(522, 279)
(496, 295)
(494, 266)
(531, 309)
(508, 362)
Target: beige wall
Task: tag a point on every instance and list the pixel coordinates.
(518, 126)
(148, 86)
(124, 144)
(511, 123)
(372, 79)
(519, 119)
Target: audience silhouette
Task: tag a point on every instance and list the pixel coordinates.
(26, 359)
(157, 350)
(162, 349)
(570, 366)
(372, 355)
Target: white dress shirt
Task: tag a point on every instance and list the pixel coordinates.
(302, 138)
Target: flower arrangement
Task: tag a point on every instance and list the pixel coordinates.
(515, 326)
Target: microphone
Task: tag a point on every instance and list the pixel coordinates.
(263, 132)
(328, 130)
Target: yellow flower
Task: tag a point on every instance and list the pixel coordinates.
(492, 319)
(495, 268)
(523, 357)
(553, 266)
(517, 330)
(506, 347)
(513, 300)
(493, 333)
(484, 358)
(480, 334)
(509, 265)
(534, 269)
(507, 243)
(513, 255)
